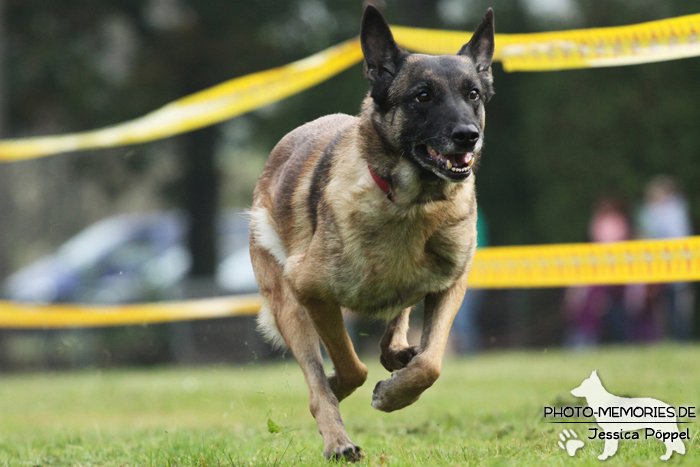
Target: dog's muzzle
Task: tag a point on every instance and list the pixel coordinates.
(456, 166)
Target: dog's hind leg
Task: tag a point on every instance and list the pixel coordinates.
(673, 445)
(678, 446)
(406, 385)
(396, 353)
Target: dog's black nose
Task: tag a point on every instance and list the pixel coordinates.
(465, 134)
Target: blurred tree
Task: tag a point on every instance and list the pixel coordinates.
(583, 132)
(5, 267)
(114, 60)
(4, 192)
(198, 44)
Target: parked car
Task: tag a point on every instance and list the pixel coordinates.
(131, 258)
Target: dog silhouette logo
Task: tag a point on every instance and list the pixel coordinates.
(621, 417)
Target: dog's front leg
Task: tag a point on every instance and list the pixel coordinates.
(299, 332)
(350, 373)
(396, 353)
(406, 385)
(609, 449)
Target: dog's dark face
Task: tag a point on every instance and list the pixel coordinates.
(430, 109)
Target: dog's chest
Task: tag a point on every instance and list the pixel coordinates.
(386, 263)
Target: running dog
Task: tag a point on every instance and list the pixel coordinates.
(373, 214)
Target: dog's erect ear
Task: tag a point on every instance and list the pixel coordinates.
(480, 49)
(481, 46)
(383, 58)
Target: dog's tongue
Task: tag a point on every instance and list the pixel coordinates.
(460, 159)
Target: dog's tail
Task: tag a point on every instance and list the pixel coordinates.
(268, 327)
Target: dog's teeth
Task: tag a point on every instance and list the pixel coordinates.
(449, 165)
(461, 169)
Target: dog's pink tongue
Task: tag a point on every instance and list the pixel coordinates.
(460, 159)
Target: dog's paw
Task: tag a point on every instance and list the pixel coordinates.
(349, 452)
(396, 359)
(569, 443)
(388, 397)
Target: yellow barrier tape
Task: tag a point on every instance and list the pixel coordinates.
(625, 45)
(655, 41)
(50, 316)
(639, 261)
(204, 108)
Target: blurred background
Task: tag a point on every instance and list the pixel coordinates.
(571, 156)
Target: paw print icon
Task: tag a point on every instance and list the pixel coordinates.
(570, 442)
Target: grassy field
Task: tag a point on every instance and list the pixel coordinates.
(484, 410)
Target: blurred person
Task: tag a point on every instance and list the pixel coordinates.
(664, 214)
(643, 318)
(665, 210)
(598, 313)
(610, 222)
(465, 329)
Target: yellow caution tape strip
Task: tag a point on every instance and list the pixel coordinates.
(49, 316)
(656, 41)
(639, 261)
(204, 108)
(643, 43)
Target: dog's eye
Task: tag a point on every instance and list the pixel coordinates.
(423, 97)
(473, 94)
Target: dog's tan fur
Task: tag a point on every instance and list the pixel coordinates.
(325, 238)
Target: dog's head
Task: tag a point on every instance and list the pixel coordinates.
(589, 386)
(430, 109)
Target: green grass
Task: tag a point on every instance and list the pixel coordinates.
(484, 410)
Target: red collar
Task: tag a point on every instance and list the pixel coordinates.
(382, 183)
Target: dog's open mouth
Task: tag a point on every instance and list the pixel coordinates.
(456, 166)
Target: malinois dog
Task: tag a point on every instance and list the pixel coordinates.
(373, 214)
